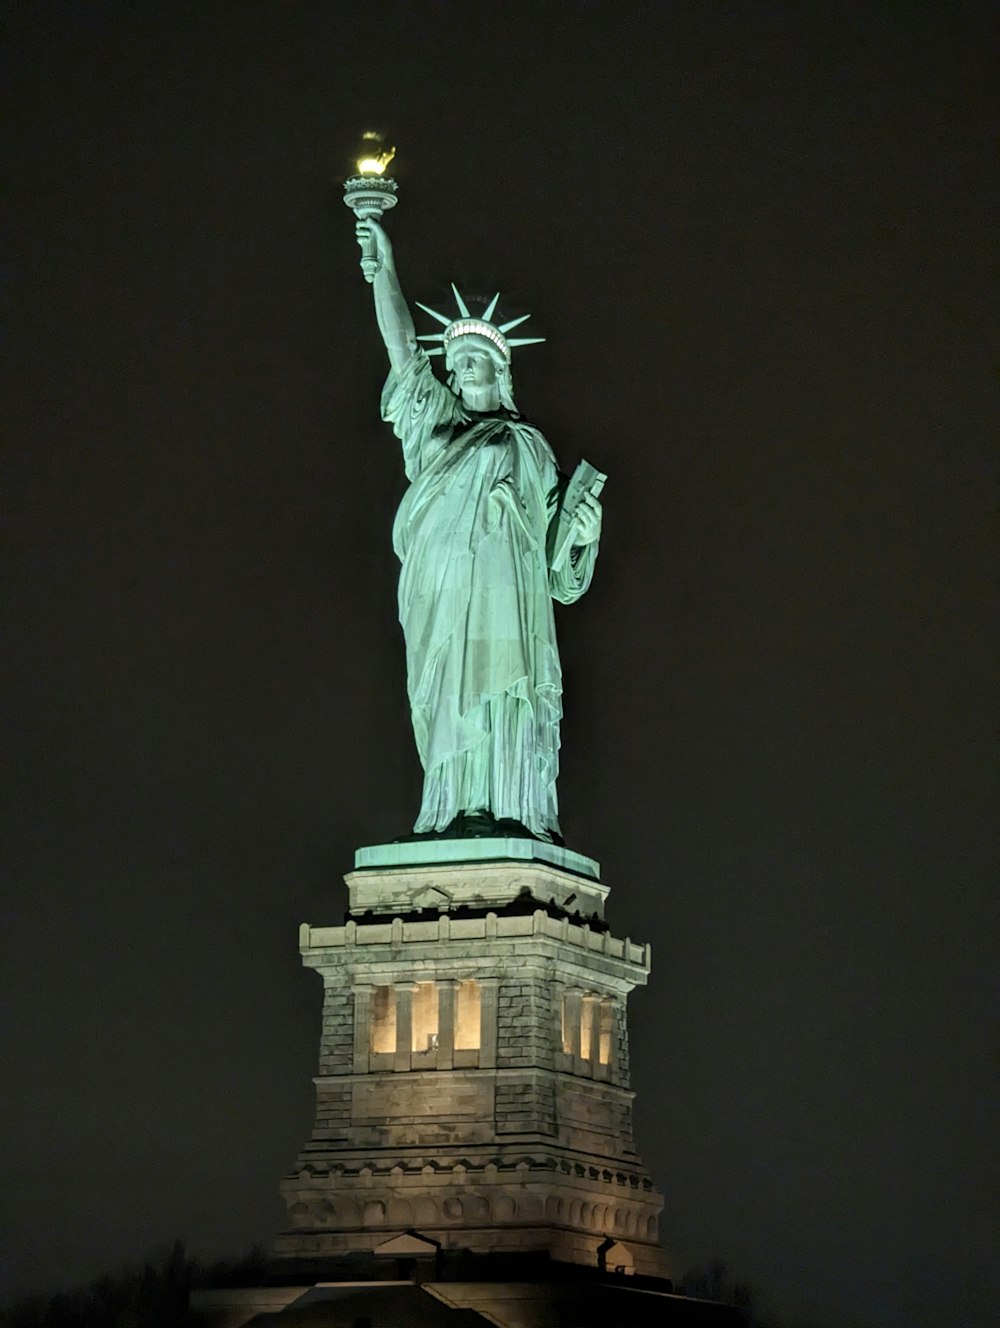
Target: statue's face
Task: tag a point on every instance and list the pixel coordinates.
(472, 363)
(476, 372)
(472, 366)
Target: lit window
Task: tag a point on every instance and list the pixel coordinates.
(467, 1017)
(587, 1027)
(425, 1017)
(383, 1019)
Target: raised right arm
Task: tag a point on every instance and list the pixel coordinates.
(394, 320)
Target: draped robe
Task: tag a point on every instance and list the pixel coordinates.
(475, 604)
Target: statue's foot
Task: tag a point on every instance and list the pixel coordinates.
(482, 824)
(506, 827)
(512, 829)
(479, 824)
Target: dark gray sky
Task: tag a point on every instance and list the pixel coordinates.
(755, 235)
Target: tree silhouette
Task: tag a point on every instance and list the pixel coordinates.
(713, 1282)
(153, 1296)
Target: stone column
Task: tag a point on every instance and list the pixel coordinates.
(488, 1022)
(404, 1025)
(572, 997)
(447, 992)
(362, 1027)
(592, 1018)
(609, 1022)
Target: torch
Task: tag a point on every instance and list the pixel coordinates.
(371, 192)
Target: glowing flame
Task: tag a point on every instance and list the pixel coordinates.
(374, 158)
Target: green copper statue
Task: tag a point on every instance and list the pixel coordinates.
(486, 543)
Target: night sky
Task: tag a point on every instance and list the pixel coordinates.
(756, 236)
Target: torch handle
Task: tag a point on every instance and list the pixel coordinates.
(369, 260)
(369, 253)
(368, 199)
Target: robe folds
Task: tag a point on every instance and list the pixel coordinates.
(475, 604)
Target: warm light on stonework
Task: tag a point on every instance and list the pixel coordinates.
(383, 1019)
(586, 1028)
(467, 1017)
(425, 1017)
(607, 1029)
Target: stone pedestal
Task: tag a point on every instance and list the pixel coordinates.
(473, 1086)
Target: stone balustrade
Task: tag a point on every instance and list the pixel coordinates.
(489, 928)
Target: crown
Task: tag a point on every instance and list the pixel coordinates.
(466, 325)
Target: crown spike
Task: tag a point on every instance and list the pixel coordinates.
(433, 313)
(505, 327)
(466, 325)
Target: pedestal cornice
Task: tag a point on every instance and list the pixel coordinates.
(422, 852)
(441, 887)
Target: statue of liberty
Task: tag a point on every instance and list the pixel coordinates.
(486, 542)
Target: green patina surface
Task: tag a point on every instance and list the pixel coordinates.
(480, 570)
(423, 852)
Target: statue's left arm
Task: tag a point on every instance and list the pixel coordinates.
(571, 577)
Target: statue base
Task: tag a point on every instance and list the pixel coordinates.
(422, 852)
(473, 1094)
(437, 876)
